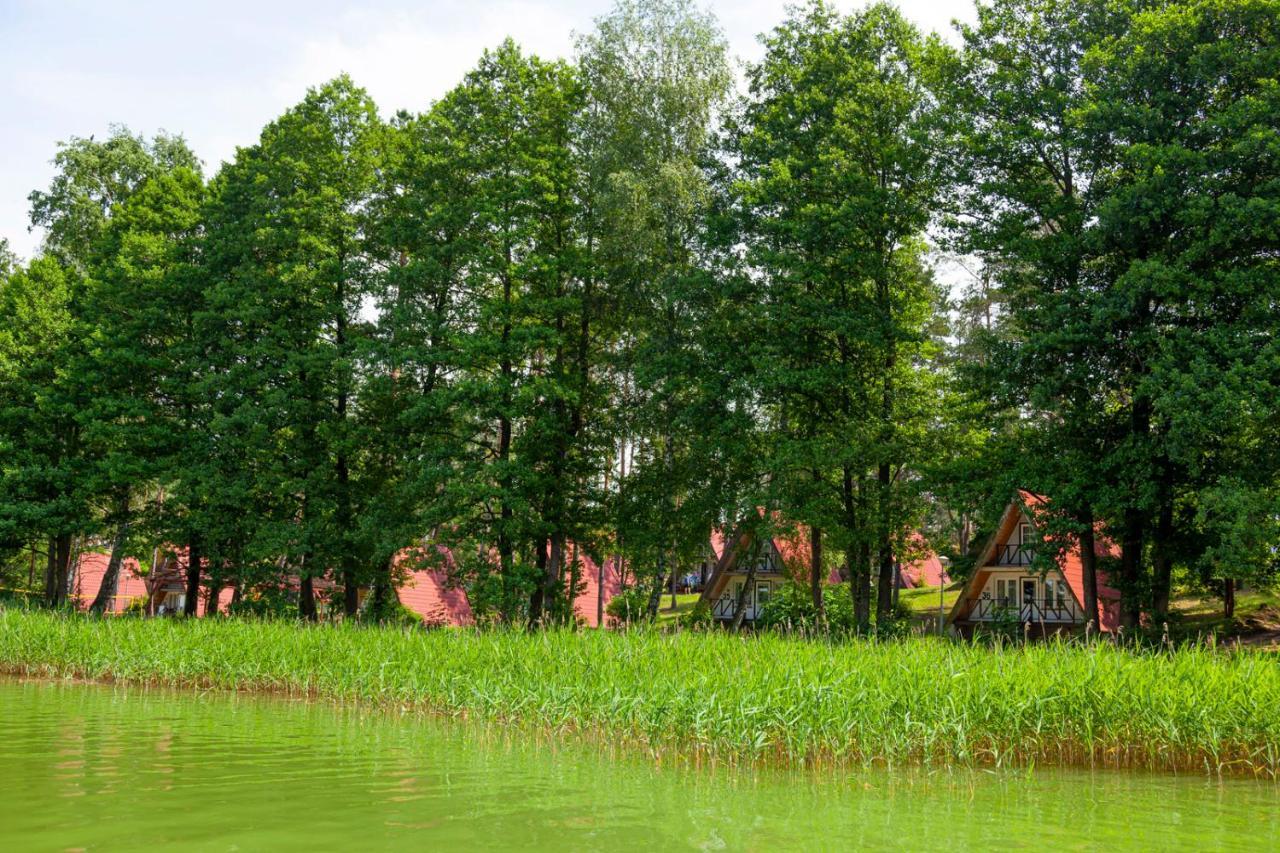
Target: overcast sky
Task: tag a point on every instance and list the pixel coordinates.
(217, 72)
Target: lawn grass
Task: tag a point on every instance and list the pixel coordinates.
(684, 603)
(718, 696)
(924, 599)
(1203, 614)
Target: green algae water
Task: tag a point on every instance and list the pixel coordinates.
(114, 768)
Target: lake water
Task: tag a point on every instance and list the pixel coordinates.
(111, 768)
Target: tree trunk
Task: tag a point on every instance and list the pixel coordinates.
(1131, 568)
(862, 588)
(857, 555)
(673, 581)
(350, 592)
(382, 589)
(58, 571)
(307, 597)
(536, 599)
(655, 594)
(50, 573)
(1089, 566)
(111, 579)
(211, 597)
(740, 607)
(551, 581)
(600, 592)
(574, 579)
(1229, 598)
(1162, 560)
(1135, 522)
(194, 558)
(884, 579)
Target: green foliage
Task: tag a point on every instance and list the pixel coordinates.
(603, 306)
(1110, 151)
(790, 609)
(630, 606)
(266, 601)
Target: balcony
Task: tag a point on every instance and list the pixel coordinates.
(988, 608)
(1013, 555)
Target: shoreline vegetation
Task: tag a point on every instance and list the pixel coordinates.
(711, 698)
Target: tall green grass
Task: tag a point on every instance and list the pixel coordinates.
(722, 697)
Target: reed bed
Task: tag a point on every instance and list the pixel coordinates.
(717, 697)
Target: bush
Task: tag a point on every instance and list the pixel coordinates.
(266, 602)
(791, 609)
(698, 618)
(629, 606)
(392, 612)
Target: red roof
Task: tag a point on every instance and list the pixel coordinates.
(171, 575)
(586, 604)
(92, 568)
(796, 550)
(926, 569)
(1073, 570)
(427, 592)
(717, 542)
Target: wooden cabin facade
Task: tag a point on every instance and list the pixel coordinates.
(777, 560)
(1009, 586)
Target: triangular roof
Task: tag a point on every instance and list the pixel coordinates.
(1033, 506)
(427, 592)
(91, 569)
(925, 570)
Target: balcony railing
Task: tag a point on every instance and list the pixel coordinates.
(987, 608)
(1013, 555)
(725, 606)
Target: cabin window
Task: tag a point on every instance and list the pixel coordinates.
(763, 591)
(1005, 591)
(1024, 534)
(1062, 593)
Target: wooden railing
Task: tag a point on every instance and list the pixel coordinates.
(989, 609)
(1013, 555)
(725, 606)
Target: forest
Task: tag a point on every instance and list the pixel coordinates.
(870, 284)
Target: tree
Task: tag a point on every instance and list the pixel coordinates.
(39, 468)
(290, 273)
(48, 475)
(837, 146)
(1102, 151)
(656, 72)
(138, 425)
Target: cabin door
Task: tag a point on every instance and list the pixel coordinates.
(1029, 600)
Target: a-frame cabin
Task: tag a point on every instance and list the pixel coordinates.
(1006, 586)
(777, 559)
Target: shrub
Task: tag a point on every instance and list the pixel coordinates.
(630, 605)
(266, 602)
(791, 609)
(698, 618)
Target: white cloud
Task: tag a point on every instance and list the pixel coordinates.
(217, 72)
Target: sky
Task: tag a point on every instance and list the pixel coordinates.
(217, 72)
